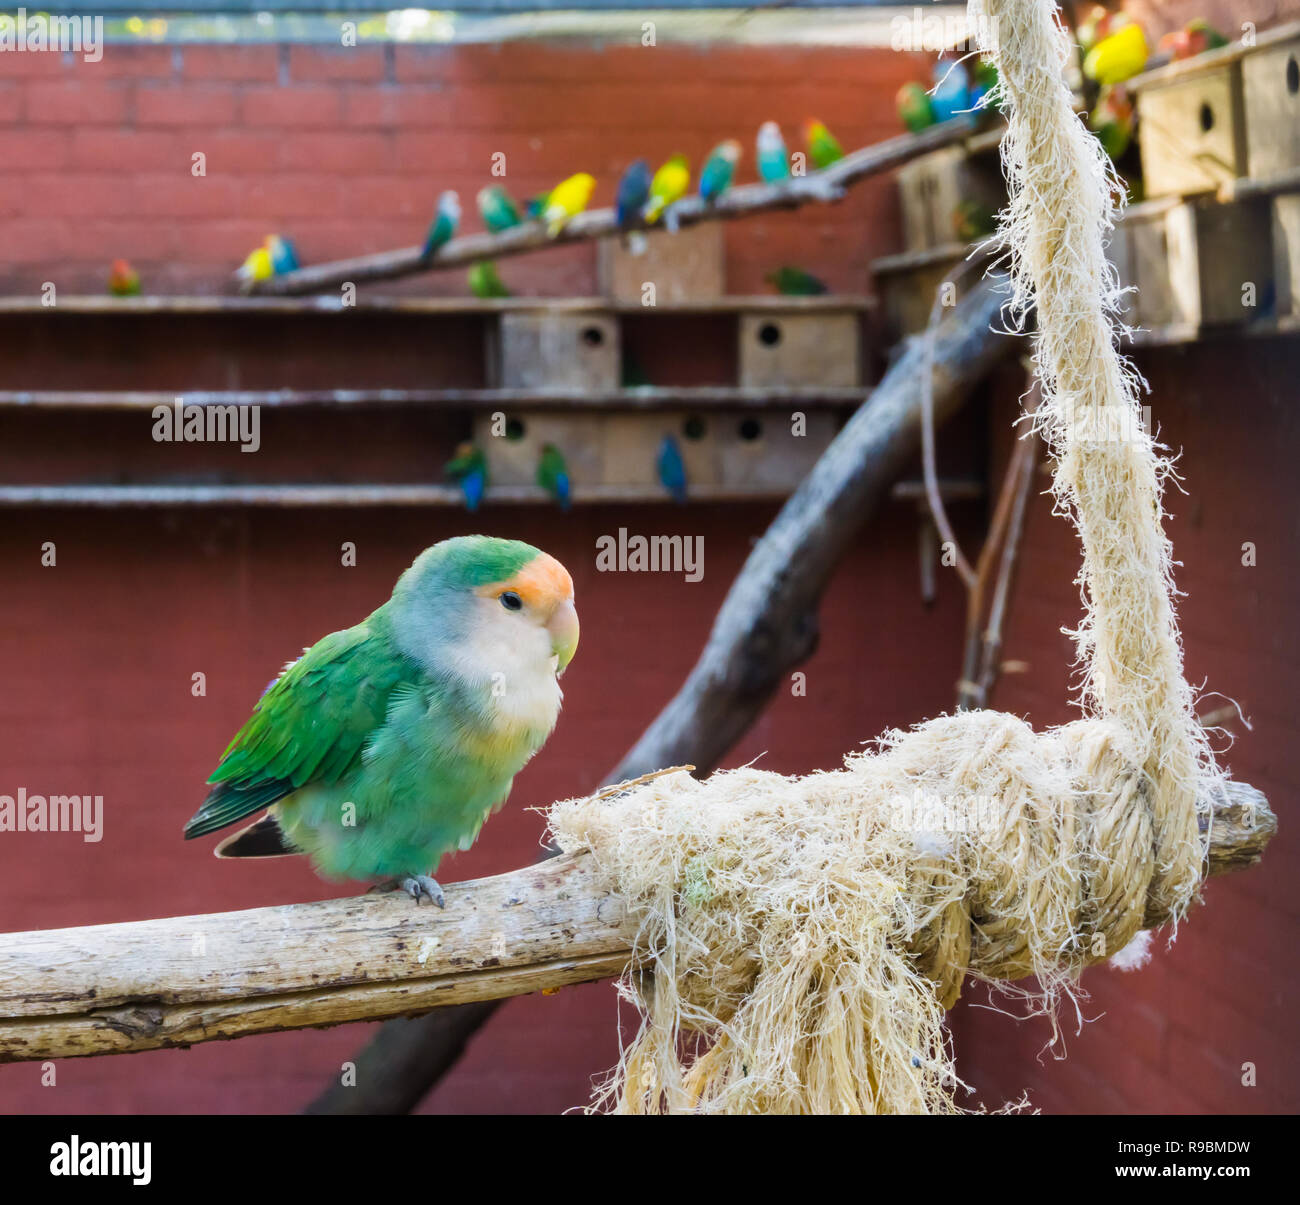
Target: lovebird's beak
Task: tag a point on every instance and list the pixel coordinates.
(563, 627)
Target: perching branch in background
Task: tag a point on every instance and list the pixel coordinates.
(828, 185)
(984, 648)
(767, 625)
(149, 985)
(983, 645)
(929, 474)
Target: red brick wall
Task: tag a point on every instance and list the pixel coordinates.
(1174, 1035)
(346, 150)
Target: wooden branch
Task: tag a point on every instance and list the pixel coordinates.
(145, 985)
(826, 186)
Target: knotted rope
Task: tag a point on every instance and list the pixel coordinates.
(802, 937)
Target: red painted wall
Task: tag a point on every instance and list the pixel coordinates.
(1174, 1036)
(346, 150)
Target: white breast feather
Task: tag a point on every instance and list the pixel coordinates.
(513, 660)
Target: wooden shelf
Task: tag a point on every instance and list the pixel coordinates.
(1175, 334)
(957, 489)
(351, 495)
(649, 397)
(458, 306)
(910, 261)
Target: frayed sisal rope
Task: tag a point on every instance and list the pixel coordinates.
(800, 938)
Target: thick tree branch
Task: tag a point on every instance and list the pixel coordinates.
(146, 985)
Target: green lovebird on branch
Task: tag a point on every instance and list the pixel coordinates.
(387, 745)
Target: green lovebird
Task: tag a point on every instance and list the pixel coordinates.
(553, 475)
(497, 209)
(387, 745)
(485, 281)
(795, 282)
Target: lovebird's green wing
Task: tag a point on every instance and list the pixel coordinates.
(310, 726)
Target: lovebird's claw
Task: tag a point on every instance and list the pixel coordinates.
(422, 885)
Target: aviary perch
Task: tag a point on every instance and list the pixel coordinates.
(143, 985)
(824, 186)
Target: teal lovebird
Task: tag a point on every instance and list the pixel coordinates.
(484, 280)
(823, 147)
(537, 206)
(773, 159)
(497, 209)
(387, 745)
(553, 475)
(795, 282)
(443, 225)
(468, 468)
(671, 468)
(719, 170)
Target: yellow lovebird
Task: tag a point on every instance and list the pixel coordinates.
(1118, 57)
(568, 199)
(669, 184)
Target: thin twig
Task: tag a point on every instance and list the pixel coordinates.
(969, 691)
(932, 493)
(1021, 471)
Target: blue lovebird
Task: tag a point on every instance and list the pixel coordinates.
(951, 94)
(284, 257)
(444, 224)
(633, 193)
(468, 468)
(672, 471)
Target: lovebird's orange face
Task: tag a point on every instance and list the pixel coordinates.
(542, 594)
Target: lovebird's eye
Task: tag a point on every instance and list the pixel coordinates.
(511, 601)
